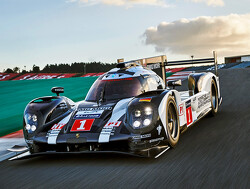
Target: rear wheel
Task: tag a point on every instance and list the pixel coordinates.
(172, 122)
(214, 99)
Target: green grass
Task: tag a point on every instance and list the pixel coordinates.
(15, 95)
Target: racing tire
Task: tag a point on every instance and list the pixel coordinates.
(214, 99)
(172, 122)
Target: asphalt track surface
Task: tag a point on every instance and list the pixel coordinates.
(214, 153)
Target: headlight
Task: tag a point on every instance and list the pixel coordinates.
(137, 113)
(33, 128)
(148, 111)
(27, 127)
(31, 122)
(34, 118)
(137, 124)
(140, 117)
(146, 122)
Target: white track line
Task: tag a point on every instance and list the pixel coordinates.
(162, 152)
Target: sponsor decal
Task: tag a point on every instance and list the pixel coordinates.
(55, 130)
(145, 100)
(82, 125)
(57, 126)
(159, 128)
(113, 124)
(142, 136)
(108, 130)
(189, 113)
(59, 90)
(180, 109)
(203, 100)
(156, 140)
(95, 109)
(117, 114)
(154, 66)
(87, 116)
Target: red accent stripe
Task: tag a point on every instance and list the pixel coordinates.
(17, 134)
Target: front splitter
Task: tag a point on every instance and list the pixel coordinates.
(154, 152)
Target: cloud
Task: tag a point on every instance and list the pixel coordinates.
(214, 3)
(127, 3)
(199, 36)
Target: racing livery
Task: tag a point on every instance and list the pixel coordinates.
(127, 110)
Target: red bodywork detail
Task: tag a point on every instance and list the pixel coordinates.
(113, 124)
(58, 126)
(82, 125)
(181, 110)
(189, 115)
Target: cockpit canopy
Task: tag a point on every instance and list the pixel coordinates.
(114, 89)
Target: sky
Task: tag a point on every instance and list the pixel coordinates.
(44, 32)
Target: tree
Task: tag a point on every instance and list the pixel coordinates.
(9, 71)
(36, 69)
(16, 69)
(78, 67)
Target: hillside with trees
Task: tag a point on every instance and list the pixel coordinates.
(77, 67)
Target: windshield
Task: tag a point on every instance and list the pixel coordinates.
(113, 89)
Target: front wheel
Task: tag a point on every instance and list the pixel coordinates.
(172, 122)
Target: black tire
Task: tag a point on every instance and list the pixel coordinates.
(172, 122)
(214, 99)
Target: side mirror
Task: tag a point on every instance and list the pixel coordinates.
(174, 83)
(57, 90)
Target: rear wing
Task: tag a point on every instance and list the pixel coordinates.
(158, 63)
(203, 61)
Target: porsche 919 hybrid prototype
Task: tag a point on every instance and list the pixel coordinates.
(127, 110)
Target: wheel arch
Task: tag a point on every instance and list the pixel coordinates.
(162, 107)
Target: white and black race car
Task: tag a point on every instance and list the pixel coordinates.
(127, 110)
